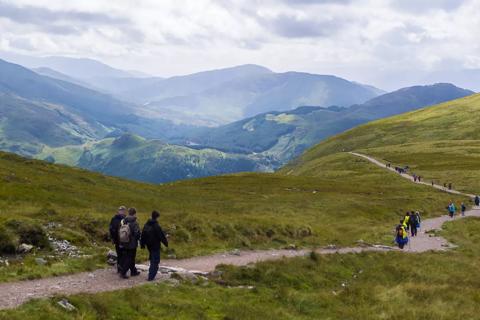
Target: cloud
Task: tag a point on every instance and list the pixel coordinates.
(387, 43)
(43, 16)
(424, 6)
(296, 27)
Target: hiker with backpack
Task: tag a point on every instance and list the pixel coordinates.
(401, 235)
(451, 209)
(413, 223)
(477, 201)
(419, 220)
(464, 208)
(152, 237)
(406, 220)
(128, 236)
(113, 230)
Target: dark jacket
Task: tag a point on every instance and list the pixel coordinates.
(153, 235)
(134, 232)
(114, 226)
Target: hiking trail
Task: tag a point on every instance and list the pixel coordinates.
(13, 294)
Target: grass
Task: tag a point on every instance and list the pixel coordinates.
(394, 285)
(439, 143)
(207, 215)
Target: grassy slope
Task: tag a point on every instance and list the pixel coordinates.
(210, 214)
(154, 161)
(376, 286)
(439, 142)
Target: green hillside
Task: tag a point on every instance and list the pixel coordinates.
(130, 156)
(441, 143)
(203, 215)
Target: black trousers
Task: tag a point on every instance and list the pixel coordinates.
(128, 261)
(119, 252)
(414, 230)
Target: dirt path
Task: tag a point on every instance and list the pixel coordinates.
(424, 241)
(409, 177)
(15, 293)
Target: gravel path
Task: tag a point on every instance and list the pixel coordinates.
(16, 293)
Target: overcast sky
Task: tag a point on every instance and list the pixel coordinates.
(385, 43)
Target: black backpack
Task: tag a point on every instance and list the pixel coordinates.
(147, 234)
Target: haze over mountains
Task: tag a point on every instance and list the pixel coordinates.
(106, 120)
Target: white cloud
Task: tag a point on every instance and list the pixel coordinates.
(387, 43)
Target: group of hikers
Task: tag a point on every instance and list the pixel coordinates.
(452, 208)
(410, 222)
(126, 235)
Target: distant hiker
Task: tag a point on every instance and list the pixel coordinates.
(406, 220)
(419, 220)
(113, 229)
(464, 208)
(128, 236)
(451, 209)
(445, 186)
(401, 235)
(477, 201)
(152, 237)
(433, 183)
(413, 222)
(449, 186)
(419, 178)
(414, 177)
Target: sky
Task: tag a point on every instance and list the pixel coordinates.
(389, 43)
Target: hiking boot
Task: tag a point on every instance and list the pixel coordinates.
(134, 274)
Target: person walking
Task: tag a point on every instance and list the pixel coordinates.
(450, 186)
(401, 235)
(413, 224)
(113, 230)
(463, 208)
(451, 209)
(419, 219)
(129, 235)
(477, 200)
(406, 220)
(152, 237)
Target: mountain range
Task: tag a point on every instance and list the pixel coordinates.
(51, 115)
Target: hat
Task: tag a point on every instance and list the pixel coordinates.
(122, 208)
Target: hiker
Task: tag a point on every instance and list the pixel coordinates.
(414, 177)
(419, 178)
(451, 209)
(152, 237)
(413, 224)
(401, 235)
(113, 229)
(477, 201)
(445, 186)
(406, 220)
(419, 220)
(464, 208)
(449, 186)
(128, 236)
(433, 183)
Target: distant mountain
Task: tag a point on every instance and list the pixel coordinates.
(25, 125)
(17, 80)
(284, 135)
(133, 157)
(63, 112)
(247, 94)
(78, 68)
(44, 71)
